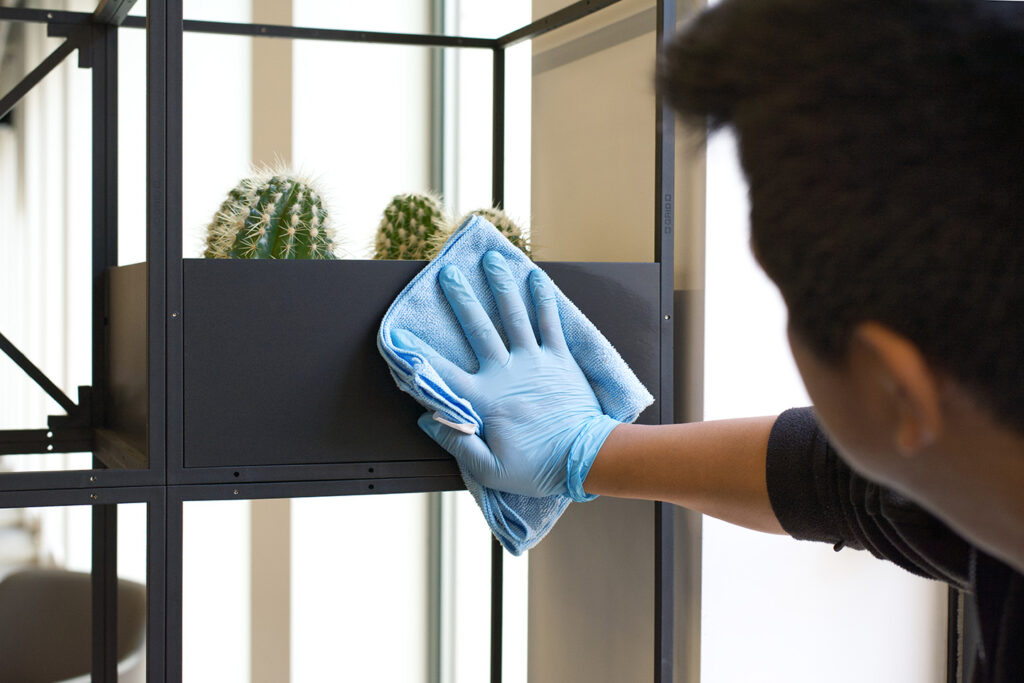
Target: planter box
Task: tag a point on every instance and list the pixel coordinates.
(281, 365)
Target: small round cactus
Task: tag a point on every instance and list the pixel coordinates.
(271, 215)
(496, 217)
(408, 227)
(506, 226)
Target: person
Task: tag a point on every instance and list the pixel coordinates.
(883, 145)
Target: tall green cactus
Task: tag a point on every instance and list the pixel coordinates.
(408, 226)
(271, 215)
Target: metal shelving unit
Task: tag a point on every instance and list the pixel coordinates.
(159, 329)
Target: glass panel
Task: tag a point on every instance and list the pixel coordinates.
(390, 16)
(131, 145)
(45, 281)
(363, 133)
(204, 10)
(131, 572)
(216, 127)
(359, 588)
(46, 593)
(216, 591)
(593, 138)
(307, 589)
(797, 588)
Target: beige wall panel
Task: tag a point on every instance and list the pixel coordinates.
(593, 153)
(270, 628)
(591, 596)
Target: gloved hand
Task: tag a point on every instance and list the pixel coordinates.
(542, 423)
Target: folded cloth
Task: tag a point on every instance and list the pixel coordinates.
(519, 522)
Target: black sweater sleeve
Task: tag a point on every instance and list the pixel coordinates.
(817, 497)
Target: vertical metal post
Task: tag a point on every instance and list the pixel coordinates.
(954, 643)
(664, 555)
(498, 128)
(174, 267)
(163, 237)
(159, 581)
(497, 595)
(498, 199)
(104, 594)
(104, 201)
(163, 256)
(156, 225)
(664, 591)
(103, 58)
(173, 562)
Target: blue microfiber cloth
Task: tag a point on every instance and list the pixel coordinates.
(519, 522)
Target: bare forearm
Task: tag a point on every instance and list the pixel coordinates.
(717, 468)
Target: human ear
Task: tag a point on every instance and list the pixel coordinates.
(904, 381)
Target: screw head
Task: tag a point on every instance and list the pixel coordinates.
(92, 479)
(94, 496)
(235, 492)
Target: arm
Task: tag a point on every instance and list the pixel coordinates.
(545, 434)
(543, 428)
(717, 468)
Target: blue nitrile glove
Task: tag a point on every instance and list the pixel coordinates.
(542, 424)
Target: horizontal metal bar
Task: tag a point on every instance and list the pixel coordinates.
(27, 441)
(92, 496)
(113, 11)
(314, 489)
(294, 472)
(37, 74)
(564, 16)
(40, 483)
(304, 33)
(35, 373)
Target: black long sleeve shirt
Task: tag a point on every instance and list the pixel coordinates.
(817, 497)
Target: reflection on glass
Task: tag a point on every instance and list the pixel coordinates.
(46, 594)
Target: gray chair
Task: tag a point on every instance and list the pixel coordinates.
(46, 627)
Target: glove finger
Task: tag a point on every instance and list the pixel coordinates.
(477, 325)
(510, 303)
(469, 450)
(454, 376)
(548, 320)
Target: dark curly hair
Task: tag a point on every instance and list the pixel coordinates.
(883, 145)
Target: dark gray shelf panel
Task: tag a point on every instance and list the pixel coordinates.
(281, 365)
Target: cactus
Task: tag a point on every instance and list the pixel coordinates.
(408, 226)
(271, 215)
(496, 217)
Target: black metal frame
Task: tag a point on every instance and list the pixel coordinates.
(163, 482)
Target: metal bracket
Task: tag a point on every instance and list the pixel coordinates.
(70, 433)
(82, 36)
(80, 415)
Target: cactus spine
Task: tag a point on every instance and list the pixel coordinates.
(408, 226)
(271, 215)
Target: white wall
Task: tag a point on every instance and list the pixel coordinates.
(775, 609)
